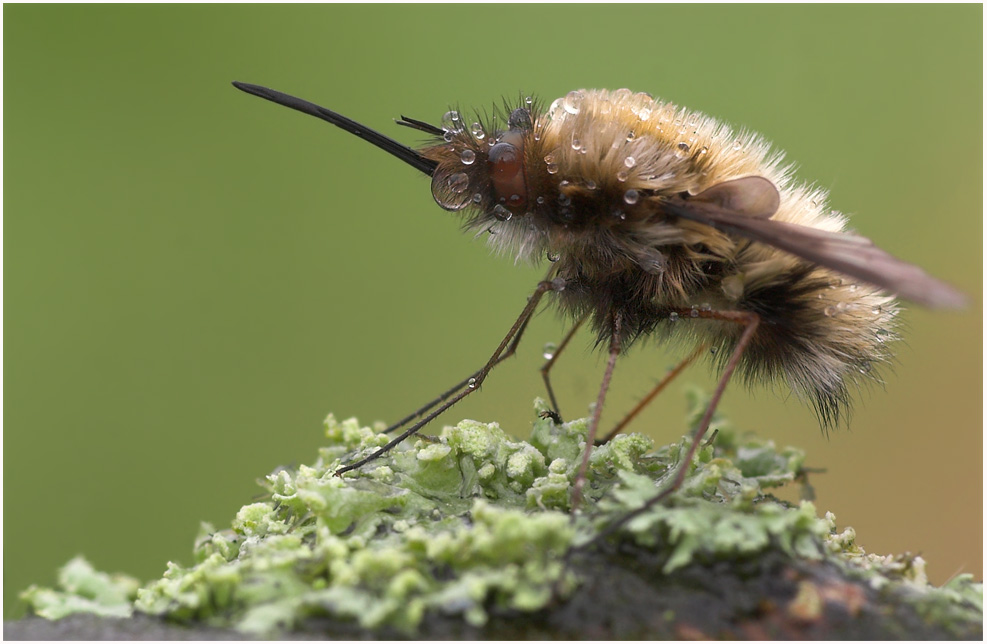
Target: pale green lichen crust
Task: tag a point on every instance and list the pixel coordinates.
(83, 589)
(475, 523)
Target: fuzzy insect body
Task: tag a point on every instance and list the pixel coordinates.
(596, 167)
(663, 222)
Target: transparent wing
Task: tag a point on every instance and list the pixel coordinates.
(846, 253)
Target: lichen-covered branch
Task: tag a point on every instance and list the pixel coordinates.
(469, 534)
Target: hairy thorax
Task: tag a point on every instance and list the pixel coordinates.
(596, 184)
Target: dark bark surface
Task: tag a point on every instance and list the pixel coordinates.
(626, 596)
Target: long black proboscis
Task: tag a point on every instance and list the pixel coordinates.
(385, 143)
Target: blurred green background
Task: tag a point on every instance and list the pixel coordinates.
(194, 277)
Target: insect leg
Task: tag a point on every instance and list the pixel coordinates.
(658, 388)
(551, 361)
(750, 322)
(459, 385)
(449, 392)
(577, 485)
(471, 384)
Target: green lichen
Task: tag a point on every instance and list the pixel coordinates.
(473, 523)
(83, 589)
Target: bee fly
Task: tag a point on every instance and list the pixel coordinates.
(662, 222)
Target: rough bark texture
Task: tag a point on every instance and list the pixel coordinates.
(628, 597)
(470, 536)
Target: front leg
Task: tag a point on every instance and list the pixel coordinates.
(471, 384)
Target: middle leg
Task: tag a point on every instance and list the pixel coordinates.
(615, 339)
(658, 388)
(550, 362)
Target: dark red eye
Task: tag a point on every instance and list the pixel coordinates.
(505, 160)
(506, 165)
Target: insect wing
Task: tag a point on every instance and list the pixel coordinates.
(846, 253)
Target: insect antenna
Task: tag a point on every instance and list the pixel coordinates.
(415, 124)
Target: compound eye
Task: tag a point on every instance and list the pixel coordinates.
(506, 165)
(505, 160)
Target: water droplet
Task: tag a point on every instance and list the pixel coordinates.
(555, 109)
(618, 213)
(491, 231)
(703, 150)
(829, 311)
(631, 136)
(529, 101)
(576, 144)
(738, 144)
(713, 350)
(591, 184)
(458, 183)
(605, 107)
(878, 310)
(467, 157)
(548, 351)
(572, 102)
(551, 168)
(694, 312)
(540, 200)
(865, 367)
(622, 175)
(644, 113)
(853, 287)
(630, 162)
(553, 257)
(501, 213)
(705, 307)
(842, 307)
(477, 197)
(471, 383)
(452, 116)
(683, 146)
(631, 196)
(883, 335)
(673, 317)
(447, 135)
(477, 131)
(564, 199)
